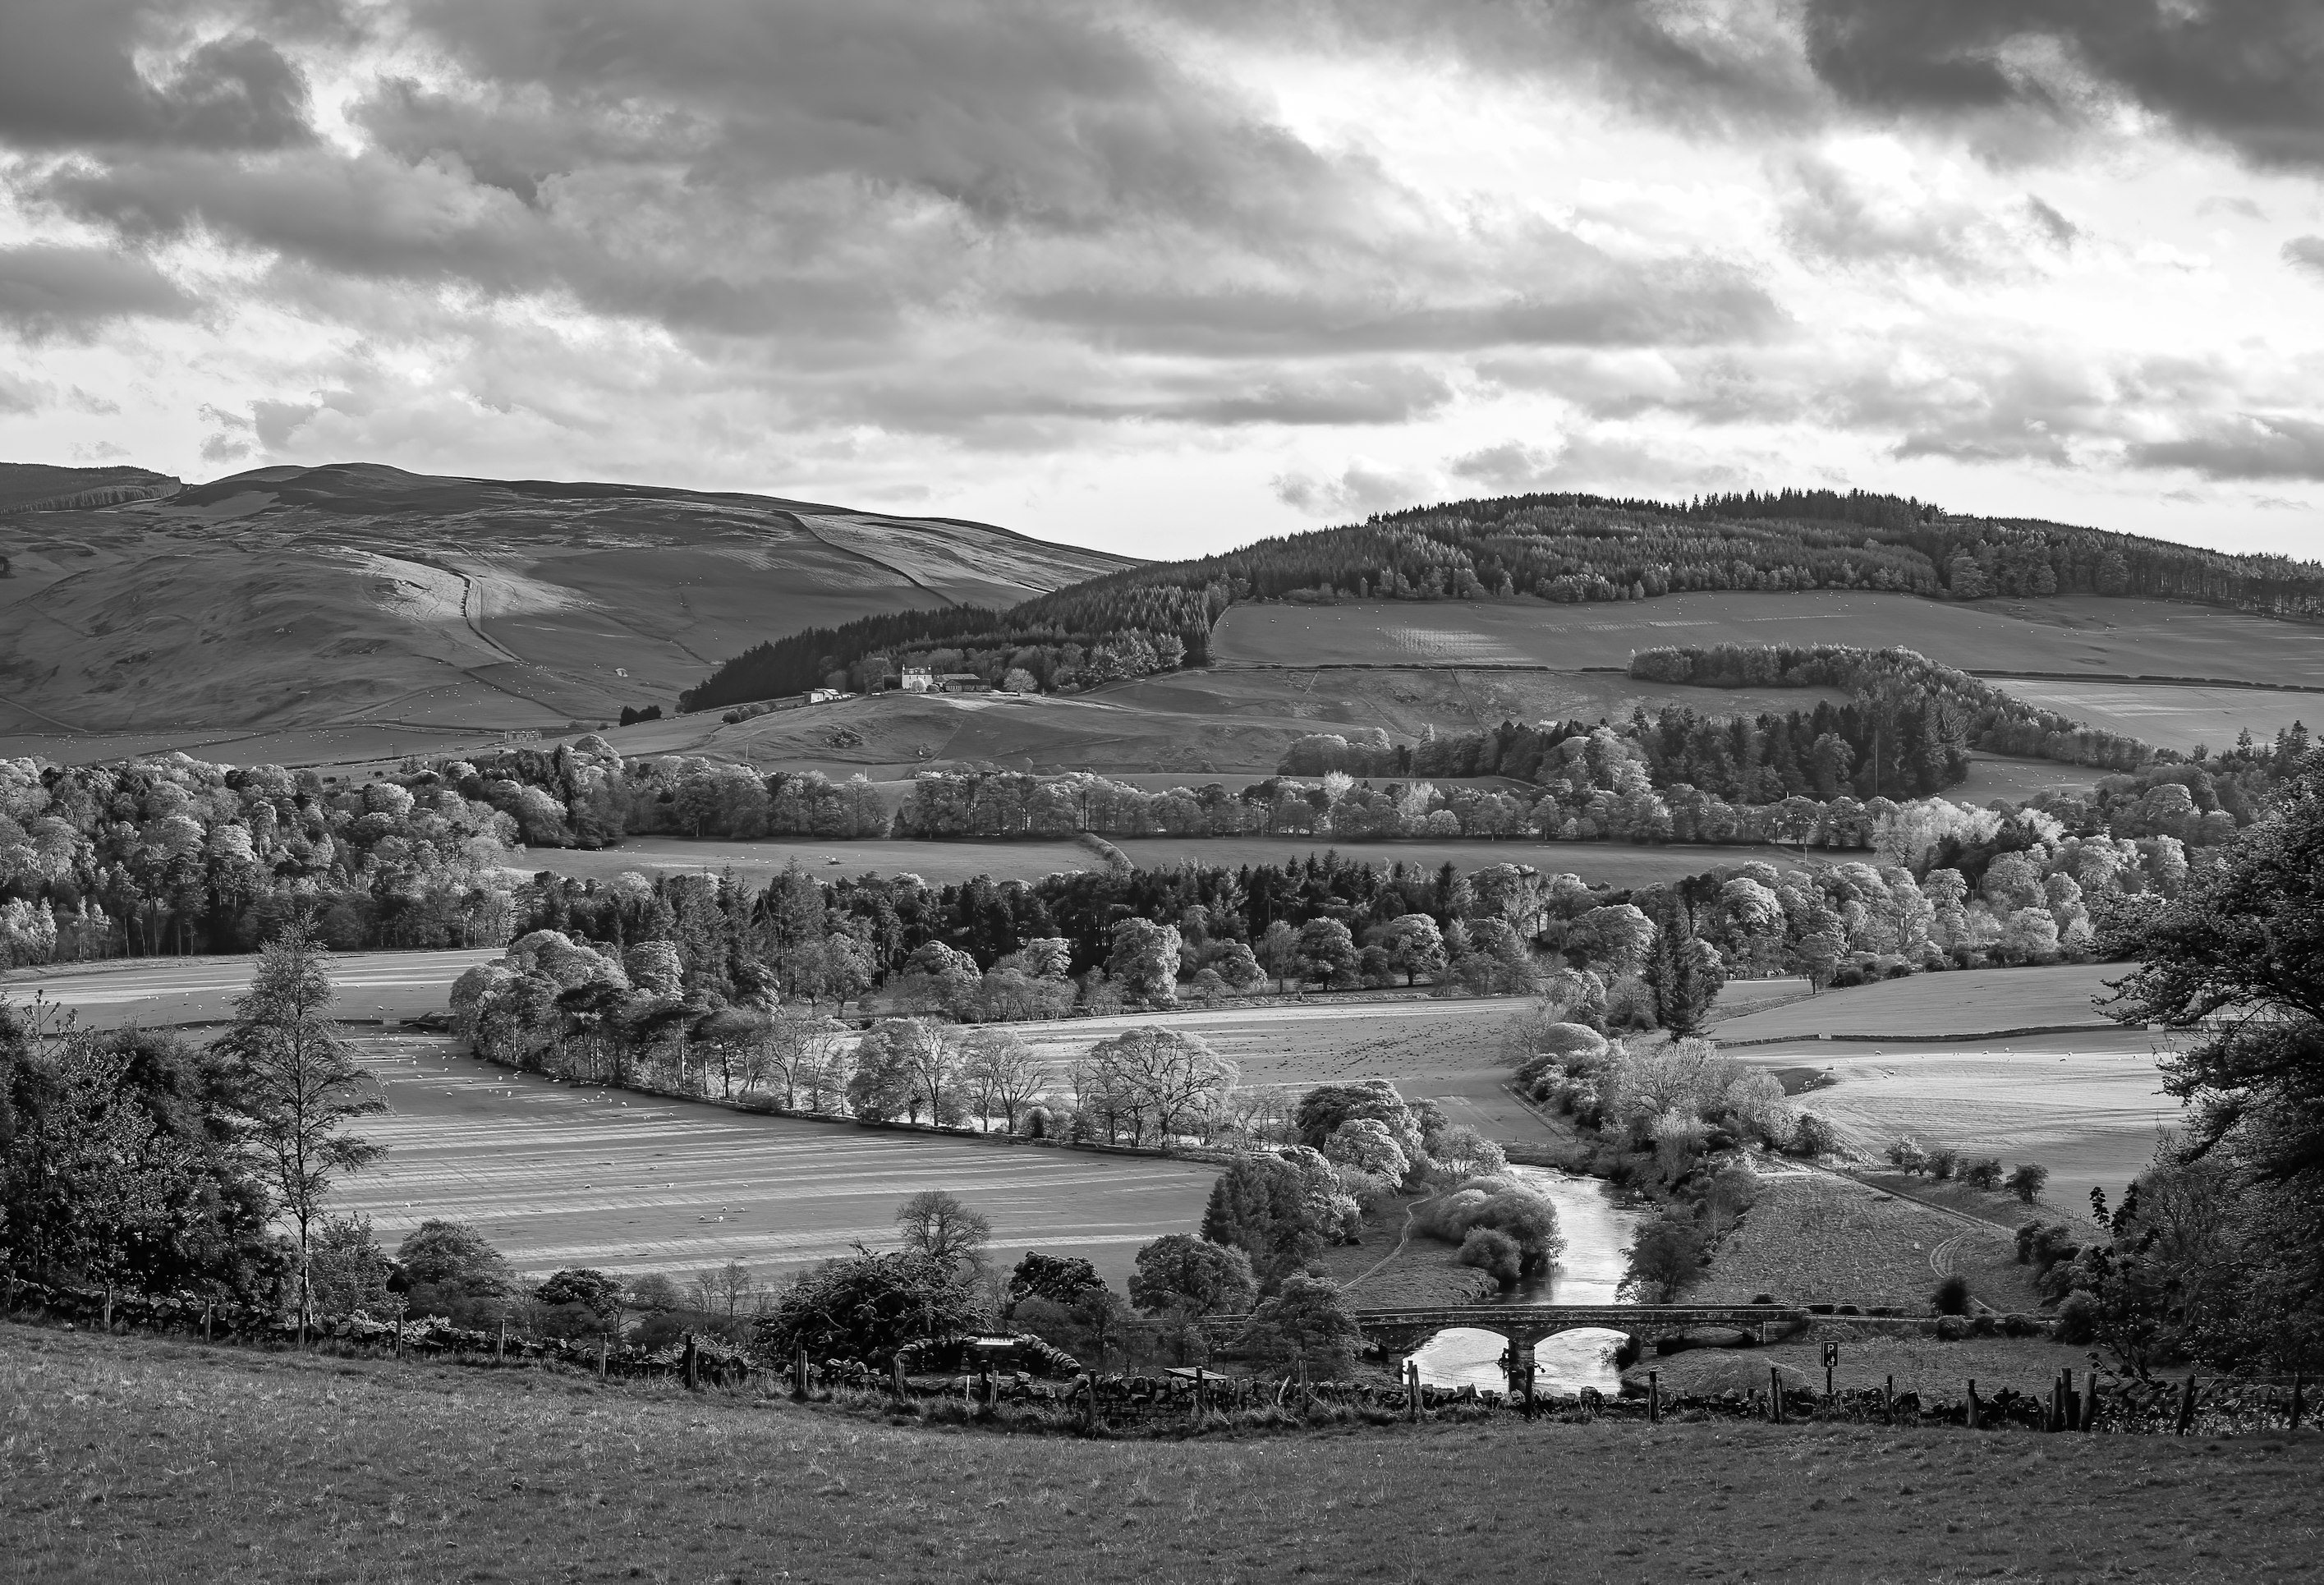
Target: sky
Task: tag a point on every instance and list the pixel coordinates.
(1164, 276)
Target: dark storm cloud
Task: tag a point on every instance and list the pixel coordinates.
(47, 290)
(69, 78)
(1048, 116)
(2249, 73)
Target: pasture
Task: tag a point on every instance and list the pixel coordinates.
(2091, 1107)
(2170, 715)
(2083, 633)
(1449, 1050)
(1955, 1002)
(1818, 1238)
(373, 986)
(134, 1459)
(557, 1175)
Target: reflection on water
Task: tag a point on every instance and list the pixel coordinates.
(1597, 1232)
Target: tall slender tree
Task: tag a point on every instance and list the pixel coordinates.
(298, 1086)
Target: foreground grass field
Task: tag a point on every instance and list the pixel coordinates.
(126, 1459)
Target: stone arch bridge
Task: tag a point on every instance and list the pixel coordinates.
(1400, 1331)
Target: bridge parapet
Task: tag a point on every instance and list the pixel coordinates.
(1400, 1331)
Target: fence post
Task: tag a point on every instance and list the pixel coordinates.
(1411, 1389)
(1089, 1404)
(2090, 1402)
(2299, 1384)
(2187, 1405)
(1529, 1391)
(210, 1304)
(1972, 1403)
(1888, 1399)
(499, 1349)
(798, 1373)
(896, 1379)
(1653, 1398)
(601, 1355)
(1776, 1394)
(2073, 1401)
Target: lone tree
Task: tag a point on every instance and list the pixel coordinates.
(296, 1086)
(1665, 1260)
(1180, 1272)
(940, 1224)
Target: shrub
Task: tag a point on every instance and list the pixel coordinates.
(1942, 1161)
(2078, 1318)
(2027, 1181)
(1983, 1173)
(1488, 1250)
(1062, 1277)
(1180, 1272)
(1307, 1321)
(1951, 1297)
(1907, 1156)
(866, 1306)
(1508, 1205)
(1813, 1136)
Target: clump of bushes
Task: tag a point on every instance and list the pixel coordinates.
(1492, 1251)
(1951, 1297)
(1509, 1206)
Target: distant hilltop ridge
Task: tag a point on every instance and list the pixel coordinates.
(357, 595)
(32, 486)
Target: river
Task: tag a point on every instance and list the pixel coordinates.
(1597, 1235)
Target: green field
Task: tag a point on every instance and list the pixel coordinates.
(372, 986)
(2170, 715)
(136, 1460)
(557, 1175)
(1952, 1003)
(2084, 634)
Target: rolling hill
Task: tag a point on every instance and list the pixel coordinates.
(335, 599)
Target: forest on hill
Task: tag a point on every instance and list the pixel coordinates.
(1557, 548)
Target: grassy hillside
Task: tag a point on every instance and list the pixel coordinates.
(2084, 634)
(359, 596)
(162, 1462)
(32, 486)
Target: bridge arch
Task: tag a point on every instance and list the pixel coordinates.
(1395, 1332)
(1562, 1361)
(1392, 1334)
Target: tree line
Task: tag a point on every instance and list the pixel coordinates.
(1558, 547)
(1902, 698)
